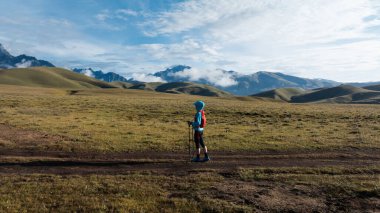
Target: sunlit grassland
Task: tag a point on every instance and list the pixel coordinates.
(116, 120)
(126, 120)
(364, 180)
(270, 189)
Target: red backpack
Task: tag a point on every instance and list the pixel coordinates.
(203, 120)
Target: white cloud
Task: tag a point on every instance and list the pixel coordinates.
(72, 49)
(88, 73)
(314, 38)
(127, 12)
(194, 14)
(105, 18)
(215, 76)
(122, 14)
(146, 78)
(24, 64)
(317, 20)
(187, 51)
(336, 40)
(102, 16)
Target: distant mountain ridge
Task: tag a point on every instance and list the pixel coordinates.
(100, 75)
(52, 77)
(247, 84)
(8, 61)
(230, 82)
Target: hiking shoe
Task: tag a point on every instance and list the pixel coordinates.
(196, 159)
(207, 158)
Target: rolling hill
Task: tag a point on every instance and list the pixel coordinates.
(191, 89)
(49, 77)
(324, 94)
(62, 78)
(146, 86)
(368, 97)
(283, 94)
(373, 87)
(182, 88)
(341, 94)
(121, 84)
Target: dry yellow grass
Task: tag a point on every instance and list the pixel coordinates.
(263, 189)
(117, 120)
(124, 120)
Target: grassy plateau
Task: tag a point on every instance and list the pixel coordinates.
(115, 122)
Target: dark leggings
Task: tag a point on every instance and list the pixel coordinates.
(198, 139)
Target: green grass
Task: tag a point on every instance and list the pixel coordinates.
(122, 193)
(124, 120)
(265, 189)
(353, 180)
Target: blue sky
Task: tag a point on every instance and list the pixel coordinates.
(331, 39)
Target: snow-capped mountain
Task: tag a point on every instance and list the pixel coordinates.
(240, 84)
(100, 75)
(8, 61)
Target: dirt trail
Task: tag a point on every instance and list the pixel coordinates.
(171, 163)
(28, 161)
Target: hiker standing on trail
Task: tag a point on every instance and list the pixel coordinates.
(198, 125)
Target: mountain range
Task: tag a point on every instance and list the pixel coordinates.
(100, 75)
(9, 61)
(52, 77)
(244, 84)
(29, 71)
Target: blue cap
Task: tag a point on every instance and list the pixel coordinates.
(199, 105)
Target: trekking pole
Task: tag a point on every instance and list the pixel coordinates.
(190, 142)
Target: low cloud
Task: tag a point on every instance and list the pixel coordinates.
(127, 12)
(216, 77)
(146, 77)
(122, 14)
(24, 64)
(337, 40)
(102, 16)
(88, 72)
